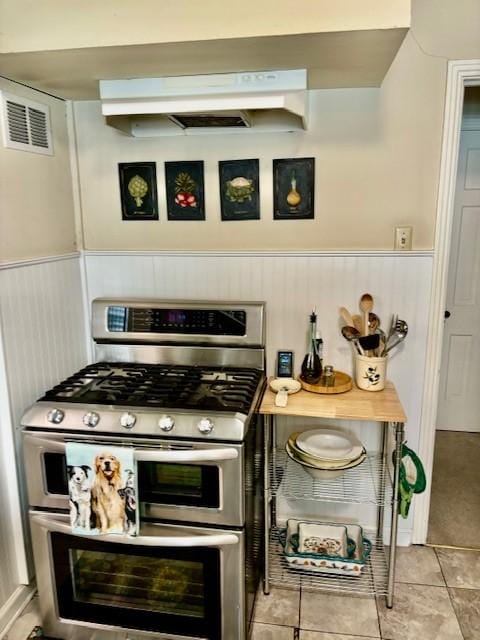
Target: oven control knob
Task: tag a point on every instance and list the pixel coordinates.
(205, 425)
(127, 420)
(166, 423)
(55, 416)
(91, 419)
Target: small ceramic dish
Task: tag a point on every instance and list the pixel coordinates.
(331, 444)
(284, 387)
(359, 549)
(326, 539)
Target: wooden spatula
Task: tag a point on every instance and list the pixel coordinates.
(346, 315)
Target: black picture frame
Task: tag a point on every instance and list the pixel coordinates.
(139, 198)
(239, 189)
(184, 180)
(293, 188)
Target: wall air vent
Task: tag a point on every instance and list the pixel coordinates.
(25, 124)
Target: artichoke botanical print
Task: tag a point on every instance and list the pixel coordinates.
(239, 189)
(184, 190)
(137, 188)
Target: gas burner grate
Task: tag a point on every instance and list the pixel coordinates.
(160, 386)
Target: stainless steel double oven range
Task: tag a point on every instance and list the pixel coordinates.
(179, 383)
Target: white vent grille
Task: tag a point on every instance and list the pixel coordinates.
(25, 125)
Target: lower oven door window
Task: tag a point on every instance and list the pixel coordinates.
(157, 589)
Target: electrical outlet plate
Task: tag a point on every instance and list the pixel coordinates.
(403, 238)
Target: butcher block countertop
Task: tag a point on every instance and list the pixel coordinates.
(356, 404)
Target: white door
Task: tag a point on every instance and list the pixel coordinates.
(459, 399)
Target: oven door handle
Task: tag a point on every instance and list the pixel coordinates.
(151, 455)
(53, 446)
(185, 455)
(215, 540)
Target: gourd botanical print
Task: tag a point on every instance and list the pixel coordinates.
(184, 184)
(293, 197)
(138, 190)
(239, 192)
(293, 188)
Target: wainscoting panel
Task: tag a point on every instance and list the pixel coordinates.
(43, 331)
(291, 285)
(43, 328)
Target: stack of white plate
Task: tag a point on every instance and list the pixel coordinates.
(325, 453)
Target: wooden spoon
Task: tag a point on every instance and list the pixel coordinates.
(366, 305)
(357, 322)
(345, 314)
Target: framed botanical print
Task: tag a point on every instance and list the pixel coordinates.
(138, 190)
(293, 188)
(185, 190)
(239, 189)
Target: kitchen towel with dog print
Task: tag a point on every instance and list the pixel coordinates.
(102, 489)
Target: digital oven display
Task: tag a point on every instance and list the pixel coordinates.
(215, 322)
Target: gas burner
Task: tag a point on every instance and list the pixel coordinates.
(160, 386)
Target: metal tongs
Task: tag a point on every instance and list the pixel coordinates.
(396, 334)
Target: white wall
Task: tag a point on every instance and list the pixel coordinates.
(36, 215)
(43, 333)
(41, 315)
(367, 145)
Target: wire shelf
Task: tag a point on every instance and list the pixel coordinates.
(372, 581)
(361, 485)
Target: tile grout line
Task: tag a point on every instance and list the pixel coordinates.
(448, 592)
(378, 616)
(296, 634)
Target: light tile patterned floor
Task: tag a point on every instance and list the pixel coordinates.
(437, 598)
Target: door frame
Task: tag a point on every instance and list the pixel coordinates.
(460, 74)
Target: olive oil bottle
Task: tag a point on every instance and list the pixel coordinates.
(311, 370)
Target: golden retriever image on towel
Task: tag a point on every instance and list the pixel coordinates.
(107, 504)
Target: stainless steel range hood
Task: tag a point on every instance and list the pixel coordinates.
(244, 102)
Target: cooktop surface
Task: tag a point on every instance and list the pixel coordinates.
(160, 386)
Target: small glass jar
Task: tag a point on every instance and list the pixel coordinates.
(328, 376)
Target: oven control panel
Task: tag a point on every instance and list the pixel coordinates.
(178, 322)
(215, 322)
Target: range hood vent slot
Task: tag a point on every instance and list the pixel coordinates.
(25, 125)
(268, 101)
(189, 120)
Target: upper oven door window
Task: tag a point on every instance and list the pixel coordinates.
(159, 589)
(179, 484)
(159, 482)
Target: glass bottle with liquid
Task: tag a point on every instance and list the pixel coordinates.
(311, 370)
